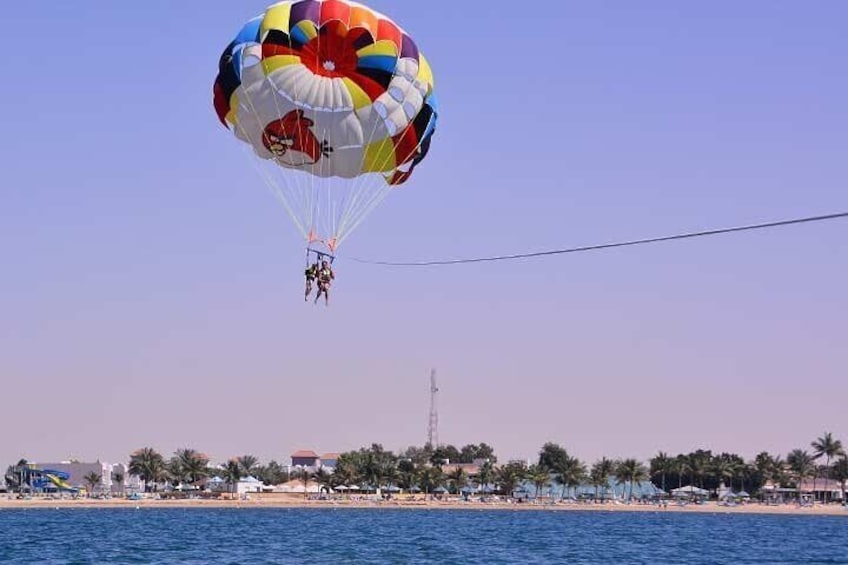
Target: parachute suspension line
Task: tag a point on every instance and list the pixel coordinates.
(381, 191)
(298, 182)
(362, 183)
(316, 219)
(268, 177)
(359, 185)
(380, 194)
(284, 196)
(603, 246)
(373, 194)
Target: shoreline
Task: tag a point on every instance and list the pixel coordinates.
(710, 508)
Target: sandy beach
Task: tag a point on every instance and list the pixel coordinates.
(297, 502)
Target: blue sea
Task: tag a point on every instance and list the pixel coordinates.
(253, 536)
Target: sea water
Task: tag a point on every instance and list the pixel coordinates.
(248, 536)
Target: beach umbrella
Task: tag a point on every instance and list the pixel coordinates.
(415, 489)
(440, 490)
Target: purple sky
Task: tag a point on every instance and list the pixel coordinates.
(151, 293)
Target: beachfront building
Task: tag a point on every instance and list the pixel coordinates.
(470, 470)
(329, 461)
(818, 490)
(305, 459)
(310, 460)
(113, 477)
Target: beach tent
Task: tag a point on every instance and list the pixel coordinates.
(689, 491)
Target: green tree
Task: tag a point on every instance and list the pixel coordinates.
(457, 479)
(801, 465)
(92, 480)
(118, 479)
(661, 464)
(840, 473)
(303, 474)
(149, 466)
(470, 453)
(540, 476)
(698, 463)
(630, 471)
(431, 477)
(444, 453)
(600, 474)
(552, 456)
(570, 474)
(407, 474)
(723, 470)
(189, 466)
(487, 473)
(232, 475)
(272, 474)
(509, 475)
(324, 480)
(830, 448)
(680, 466)
(249, 464)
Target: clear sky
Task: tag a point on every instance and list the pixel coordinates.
(151, 290)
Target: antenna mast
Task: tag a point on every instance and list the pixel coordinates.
(433, 426)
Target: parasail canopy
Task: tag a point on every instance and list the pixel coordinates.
(336, 102)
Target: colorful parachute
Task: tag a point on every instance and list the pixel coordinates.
(336, 101)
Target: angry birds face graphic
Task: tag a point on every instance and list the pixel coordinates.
(292, 142)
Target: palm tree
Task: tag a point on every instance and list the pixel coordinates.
(118, 479)
(509, 476)
(630, 471)
(304, 474)
(801, 464)
(660, 465)
(722, 468)
(92, 480)
(680, 465)
(16, 475)
(840, 473)
(486, 474)
(458, 479)
(149, 466)
(539, 476)
(431, 478)
(570, 473)
(189, 466)
(345, 473)
(407, 474)
(248, 464)
(233, 474)
(600, 474)
(390, 474)
(830, 448)
(697, 464)
(324, 480)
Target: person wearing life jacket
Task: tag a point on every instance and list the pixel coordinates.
(311, 274)
(325, 280)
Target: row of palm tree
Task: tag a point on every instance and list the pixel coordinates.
(706, 470)
(429, 469)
